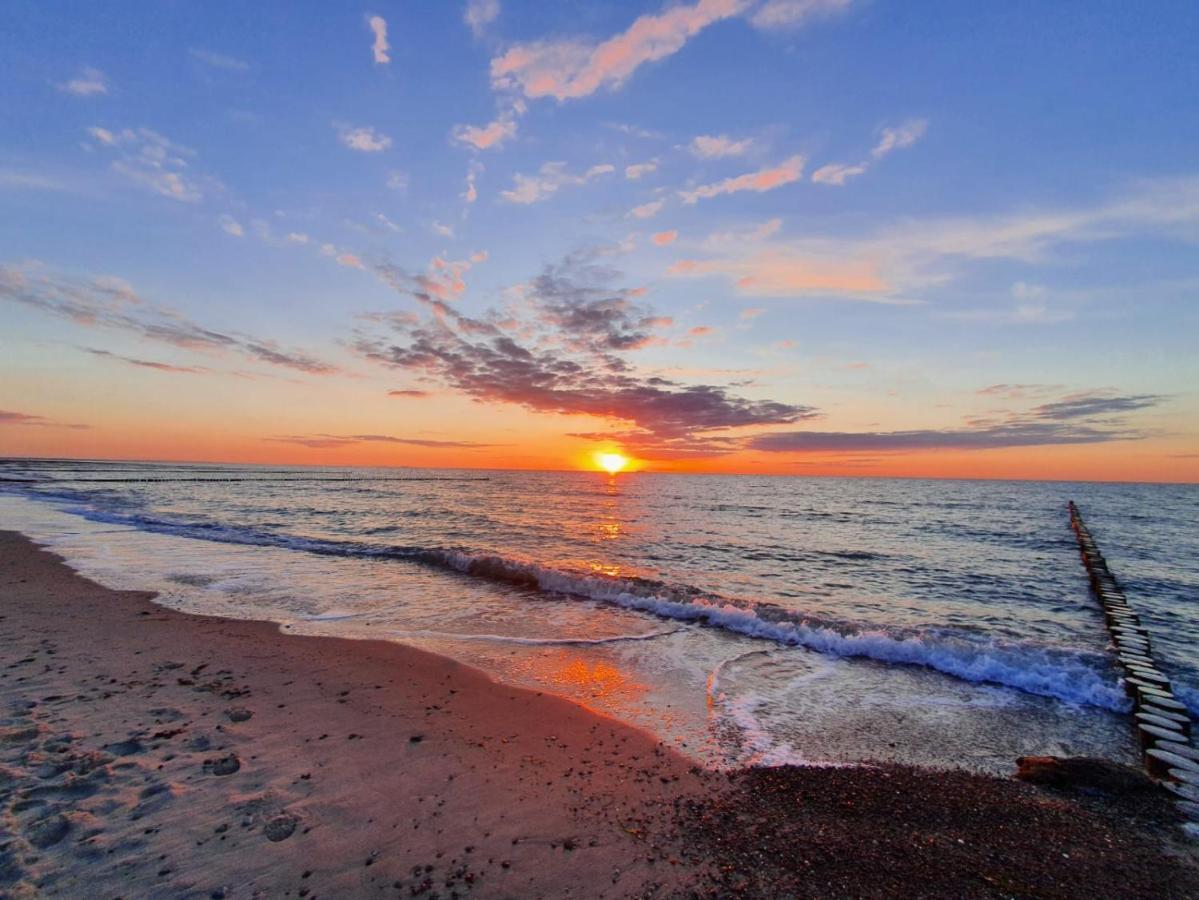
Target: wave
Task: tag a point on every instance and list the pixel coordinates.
(531, 642)
(1070, 675)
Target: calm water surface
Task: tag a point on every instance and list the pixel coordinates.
(742, 618)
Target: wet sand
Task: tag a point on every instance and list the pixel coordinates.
(149, 753)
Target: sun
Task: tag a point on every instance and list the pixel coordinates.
(611, 462)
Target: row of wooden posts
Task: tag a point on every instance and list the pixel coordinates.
(1161, 720)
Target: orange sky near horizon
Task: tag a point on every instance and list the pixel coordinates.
(1158, 460)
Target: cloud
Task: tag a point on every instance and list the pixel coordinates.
(471, 194)
(899, 137)
(899, 259)
(1087, 418)
(442, 281)
(561, 351)
(30, 181)
(106, 302)
(408, 393)
(789, 170)
(330, 441)
(149, 364)
(231, 226)
(568, 69)
(637, 170)
(647, 210)
(1017, 391)
(445, 231)
(153, 161)
(364, 139)
(774, 275)
(662, 238)
(218, 60)
(378, 27)
(479, 14)
(489, 136)
(297, 237)
(794, 13)
(718, 146)
(9, 417)
(837, 173)
(551, 177)
(88, 83)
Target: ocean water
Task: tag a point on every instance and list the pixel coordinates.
(743, 619)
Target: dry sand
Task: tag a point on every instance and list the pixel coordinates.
(149, 753)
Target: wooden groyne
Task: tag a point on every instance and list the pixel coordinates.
(1161, 720)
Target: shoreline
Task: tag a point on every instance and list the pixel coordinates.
(145, 751)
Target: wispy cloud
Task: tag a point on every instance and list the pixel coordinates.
(332, 441)
(640, 170)
(662, 238)
(148, 363)
(899, 137)
(769, 274)
(12, 179)
(647, 210)
(550, 178)
(102, 301)
(786, 172)
(1084, 418)
(380, 47)
(896, 138)
(794, 13)
(218, 60)
(490, 136)
(364, 139)
(837, 173)
(569, 69)
(479, 14)
(408, 392)
(231, 226)
(904, 258)
(151, 160)
(9, 417)
(707, 146)
(88, 83)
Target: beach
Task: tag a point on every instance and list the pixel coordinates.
(147, 752)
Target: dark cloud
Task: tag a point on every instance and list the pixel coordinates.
(110, 303)
(557, 352)
(574, 298)
(324, 441)
(1089, 406)
(147, 363)
(1017, 391)
(407, 393)
(9, 417)
(1078, 419)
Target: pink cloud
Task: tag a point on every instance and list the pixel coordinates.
(662, 238)
(837, 173)
(789, 170)
(773, 274)
(487, 136)
(567, 70)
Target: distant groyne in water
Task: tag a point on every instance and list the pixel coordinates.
(1161, 720)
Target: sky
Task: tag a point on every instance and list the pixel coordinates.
(810, 237)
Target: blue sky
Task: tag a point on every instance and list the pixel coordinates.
(867, 212)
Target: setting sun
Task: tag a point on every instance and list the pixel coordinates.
(611, 462)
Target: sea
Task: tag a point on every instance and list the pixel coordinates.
(744, 620)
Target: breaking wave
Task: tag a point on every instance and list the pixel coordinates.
(1066, 674)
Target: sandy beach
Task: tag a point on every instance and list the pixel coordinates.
(148, 753)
